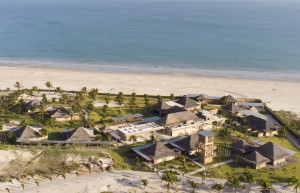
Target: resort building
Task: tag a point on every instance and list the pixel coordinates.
(188, 104)
(201, 98)
(232, 109)
(64, 114)
(264, 127)
(161, 108)
(125, 132)
(230, 99)
(274, 152)
(32, 105)
(206, 146)
(258, 157)
(28, 133)
(157, 152)
(200, 144)
(80, 134)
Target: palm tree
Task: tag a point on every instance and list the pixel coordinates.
(159, 98)
(170, 178)
(84, 90)
(49, 85)
(153, 138)
(266, 186)
(35, 89)
(225, 99)
(282, 134)
(23, 186)
(215, 124)
(203, 176)
(7, 189)
(107, 98)
(172, 97)
(134, 138)
(193, 185)
(225, 132)
(217, 187)
(294, 181)
(144, 183)
(18, 85)
(250, 178)
(120, 99)
(234, 182)
(183, 159)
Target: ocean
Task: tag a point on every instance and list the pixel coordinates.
(239, 38)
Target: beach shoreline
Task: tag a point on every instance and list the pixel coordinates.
(278, 94)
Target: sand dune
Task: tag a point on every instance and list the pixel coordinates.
(277, 94)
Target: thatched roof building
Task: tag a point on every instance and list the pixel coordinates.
(161, 107)
(201, 98)
(241, 147)
(187, 103)
(160, 150)
(106, 129)
(81, 134)
(174, 109)
(260, 124)
(27, 133)
(189, 143)
(177, 118)
(61, 112)
(231, 108)
(256, 158)
(231, 99)
(33, 104)
(273, 152)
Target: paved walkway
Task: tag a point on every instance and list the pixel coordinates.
(212, 166)
(293, 139)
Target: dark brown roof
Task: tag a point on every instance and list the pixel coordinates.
(256, 158)
(260, 124)
(27, 132)
(159, 150)
(81, 134)
(272, 151)
(230, 99)
(35, 103)
(241, 146)
(231, 107)
(201, 97)
(61, 112)
(174, 109)
(188, 143)
(187, 102)
(161, 106)
(177, 118)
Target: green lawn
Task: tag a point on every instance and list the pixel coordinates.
(177, 164)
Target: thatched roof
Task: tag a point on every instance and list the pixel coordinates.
(256, 158)
(161, 106)
(272, 151)
(27, 132)
(174, 109)
(241, 146)
(232, 108)
(188, 143)
(260, 124)
(106, 129)
(159, 150)
(230, 99)
(61, 112)
(35, 103)
(187, 102)
(201, 97)
(177, 118)
(81, 134)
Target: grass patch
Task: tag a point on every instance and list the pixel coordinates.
(178, 165)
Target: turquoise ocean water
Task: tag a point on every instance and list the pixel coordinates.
(242, 38)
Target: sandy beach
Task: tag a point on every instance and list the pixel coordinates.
(123, 182)
(278, 94)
